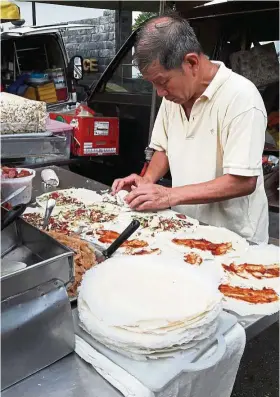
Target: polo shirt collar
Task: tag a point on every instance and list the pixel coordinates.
(221, 76)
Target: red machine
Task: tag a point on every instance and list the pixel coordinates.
(92, 136)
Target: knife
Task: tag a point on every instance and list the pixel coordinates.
(132, 227)
(102, 255)
(13, 195)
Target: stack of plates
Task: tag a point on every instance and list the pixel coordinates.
(148, 307)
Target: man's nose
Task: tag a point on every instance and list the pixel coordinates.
(161, 92)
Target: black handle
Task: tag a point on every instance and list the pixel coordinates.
(12, 215)
(134, 225)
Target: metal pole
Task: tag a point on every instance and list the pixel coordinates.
(34, 13)
(152, 114)
(154, 93)
(148, 151)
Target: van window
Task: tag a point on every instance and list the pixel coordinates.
(127, 78)
(32, 53)
(43, 54)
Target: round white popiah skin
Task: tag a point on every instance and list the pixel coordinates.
(84, 196)
(264, 255)
(244, 309)
(139, 290)
(131, 304)
(212, 234)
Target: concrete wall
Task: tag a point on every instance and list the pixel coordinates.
(101, 42)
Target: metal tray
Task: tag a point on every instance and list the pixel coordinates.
(27, 135)
(36, 331)
(46, 259)
(40, 148)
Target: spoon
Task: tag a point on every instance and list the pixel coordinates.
(49, 209)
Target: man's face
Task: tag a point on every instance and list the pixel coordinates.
(176, 85)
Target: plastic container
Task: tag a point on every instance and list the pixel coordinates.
(58, 127)
(9, 185)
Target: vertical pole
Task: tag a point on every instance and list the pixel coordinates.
(119, 43)
(154, 93)
(33, 13)
(148, 151)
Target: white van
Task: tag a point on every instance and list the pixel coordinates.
(34, 60)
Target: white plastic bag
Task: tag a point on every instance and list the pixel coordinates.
(21, 115)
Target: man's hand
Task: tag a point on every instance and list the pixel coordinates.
(127, 183)
(157, 168)
(149, 197)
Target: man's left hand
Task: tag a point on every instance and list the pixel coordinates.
(149, 197)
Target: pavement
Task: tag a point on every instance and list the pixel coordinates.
(273, 225)
(258, 374)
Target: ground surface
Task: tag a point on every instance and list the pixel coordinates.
(258, 374)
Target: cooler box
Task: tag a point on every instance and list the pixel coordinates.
(92, 136)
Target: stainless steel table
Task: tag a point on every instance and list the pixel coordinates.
(71, 376)
(67, 180)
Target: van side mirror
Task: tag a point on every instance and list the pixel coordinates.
(75, 68)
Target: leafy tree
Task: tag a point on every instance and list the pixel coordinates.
(143, 17)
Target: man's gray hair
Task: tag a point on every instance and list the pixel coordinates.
(167, 38)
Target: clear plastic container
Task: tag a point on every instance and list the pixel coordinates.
(10, 185)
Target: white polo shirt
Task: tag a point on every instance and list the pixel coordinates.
(225, 134)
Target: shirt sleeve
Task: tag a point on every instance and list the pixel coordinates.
(245, 142)
(159, 135)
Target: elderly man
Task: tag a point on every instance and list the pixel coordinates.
(209, 132)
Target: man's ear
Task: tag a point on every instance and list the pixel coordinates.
(191, 62)
(192, 59)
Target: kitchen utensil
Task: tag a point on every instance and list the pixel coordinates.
(131, 228)
(11, 215)
(49, 209)
(46, 258)
(14, 194)
(9, 185)
(36, 328)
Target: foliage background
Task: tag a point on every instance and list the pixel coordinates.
(142, 17)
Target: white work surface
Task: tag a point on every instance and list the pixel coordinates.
(216, 381)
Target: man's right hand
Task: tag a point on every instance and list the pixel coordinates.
(128, 182)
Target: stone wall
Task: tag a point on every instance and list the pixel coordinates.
(103, 40)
